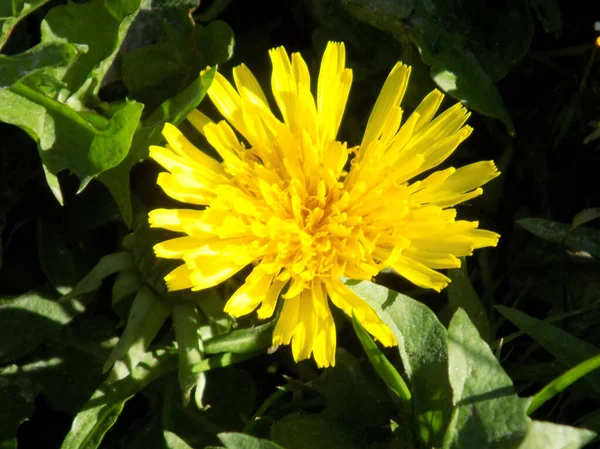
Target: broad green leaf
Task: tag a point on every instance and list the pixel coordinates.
(382, 365)
(67, 139)
(422, 342)
(578, 239)
(17, 397)
(487, 413)
(468, 47)
(147, 315)
(106, 404)
(461, 294)
(174, 442)
(566, 348)
(12, 12)
(241, 341)
(546, 435)
(562, 382)
(101, 25)
(174, 111)
(241, 441)
(186, 322)
(13, 68)
(158, 72)
(548, 12)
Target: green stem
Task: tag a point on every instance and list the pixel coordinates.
(562, 382)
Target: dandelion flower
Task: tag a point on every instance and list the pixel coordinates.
(306, 210)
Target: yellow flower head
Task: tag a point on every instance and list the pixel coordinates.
(287, 201)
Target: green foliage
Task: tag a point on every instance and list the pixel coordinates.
(564, 346)
(468, 48)
(422, 343)
(90, 336)
(487, 411)
(577, 238)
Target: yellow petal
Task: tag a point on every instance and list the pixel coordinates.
(173, 219)
(181, 192)
(390, 96)
(185, 149)
(179, 278)
(419, 274)
(304, 334)
(227, 101)
(245, 80)
(223, 139)
(352, 304)
(288, 319)
(333, 89)
(176, 248)
(212, 272)
(250, 294)
(432, 259)
(283, 85)
(198, 120)
(268, 306)
(427, 109)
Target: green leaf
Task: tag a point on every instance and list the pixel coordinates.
(157, 72)
(584, 216)
(241, 341)
(566, 348)
(546, 435)
(488, 413)
(222, 361)
(186, 322)
(461, 294)
(147, 315)
(12, 12)
(110, 264)
(174, 442)
(578, 239)
(422, 342)
(548, 12)
(101, 25)
(240, 441)
(382, 365)
(67, 139)
(106, 404)
(13, 68)
(562, 382)
(468, 47)
(17, 402)
(174, 111)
